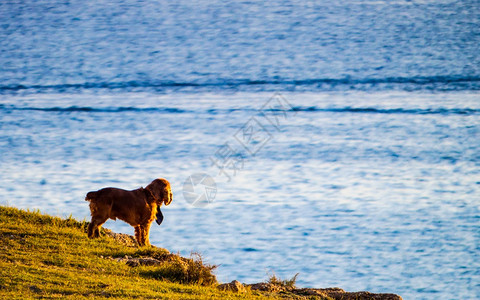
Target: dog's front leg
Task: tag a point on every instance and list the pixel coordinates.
(138, 234)
(144, 231)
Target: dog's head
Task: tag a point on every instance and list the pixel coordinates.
(160, 189)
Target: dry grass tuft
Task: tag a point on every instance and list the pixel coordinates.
(285, 283)
(185, 270)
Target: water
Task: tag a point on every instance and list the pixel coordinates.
(370, 181)
(297, 45)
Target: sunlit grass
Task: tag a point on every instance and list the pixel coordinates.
(49, 257)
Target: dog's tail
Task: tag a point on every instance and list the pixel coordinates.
(91, 196)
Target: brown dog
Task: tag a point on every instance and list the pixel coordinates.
(138, 207)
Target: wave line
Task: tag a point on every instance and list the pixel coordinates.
(232, 83)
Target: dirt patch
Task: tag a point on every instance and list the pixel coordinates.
(121, 238)
(234, 286)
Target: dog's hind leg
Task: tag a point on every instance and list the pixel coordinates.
(94, 226)
(99, 214)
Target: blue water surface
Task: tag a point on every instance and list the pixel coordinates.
(368, 180)
(239, 45)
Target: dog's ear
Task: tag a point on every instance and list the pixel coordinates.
(167, 192)
(160, 189)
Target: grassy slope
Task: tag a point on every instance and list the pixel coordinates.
(43, 256)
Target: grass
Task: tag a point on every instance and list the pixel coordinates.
(285, 283)
(49, 257)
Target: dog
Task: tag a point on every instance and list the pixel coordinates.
(139, 208)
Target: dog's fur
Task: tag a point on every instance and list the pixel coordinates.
(137, 207)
